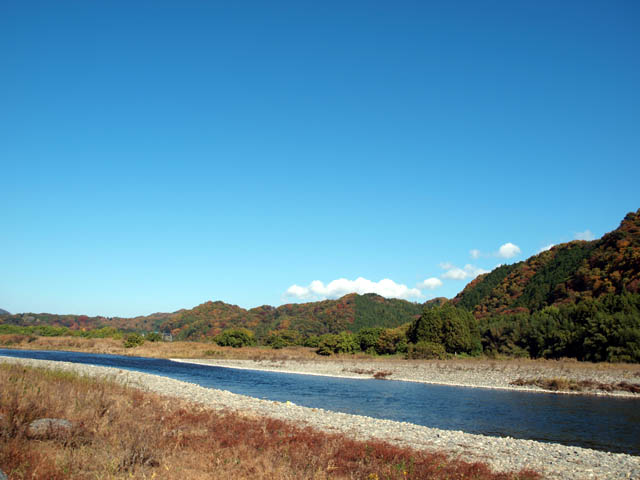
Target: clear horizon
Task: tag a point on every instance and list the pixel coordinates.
(157, 156)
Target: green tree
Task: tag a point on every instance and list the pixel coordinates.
(283, 338)
(236, 338)
(392, 341)
(133, 340)
(367, 339)
(426, 350)
(453, 328)
(153, 337)
(344, 342)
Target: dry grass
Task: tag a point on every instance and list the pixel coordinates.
(123, 433)
(568, 385)
(156, 349)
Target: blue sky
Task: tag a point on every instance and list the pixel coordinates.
(156, 155)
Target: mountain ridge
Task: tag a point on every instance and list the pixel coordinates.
(351, 312)
(566, 273)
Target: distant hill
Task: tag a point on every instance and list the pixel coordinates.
(4, 312)
(351, 312)
(564, 274)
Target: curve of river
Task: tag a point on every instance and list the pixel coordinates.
(602, 423)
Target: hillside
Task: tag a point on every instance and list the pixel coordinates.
(351, 312)
(4, 312)
(564, 274)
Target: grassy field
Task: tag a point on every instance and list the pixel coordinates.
(121, 433)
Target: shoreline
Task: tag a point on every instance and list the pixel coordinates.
(301, 368)
(554, 461)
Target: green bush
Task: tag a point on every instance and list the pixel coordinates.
(344, 342)
(153, 337)
(391, 341)
(283, 338)
(367, 339)
(236, 338)
(133, 340)
(313, 341)
(426, 350)
(453, 328)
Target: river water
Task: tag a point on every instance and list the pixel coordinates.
(602, 423)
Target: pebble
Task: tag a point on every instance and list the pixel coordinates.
(554, 461)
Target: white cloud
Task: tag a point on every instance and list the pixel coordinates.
(342, 286)
(430, 283)
(297, 291)
(586, 235)
(547, 247)
(456, 273)
(508, 250)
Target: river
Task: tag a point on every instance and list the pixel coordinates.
(602, 423)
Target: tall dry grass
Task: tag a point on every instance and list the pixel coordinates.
(155, 349)
(124, 433)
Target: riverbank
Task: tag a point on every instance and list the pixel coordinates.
(502, 454)
(464, 373)
(561, 376)
(59, 425)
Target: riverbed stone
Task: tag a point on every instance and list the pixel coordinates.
(49, 428)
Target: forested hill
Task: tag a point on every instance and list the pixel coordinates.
(4, 312)
(564, 274)
(351, 312)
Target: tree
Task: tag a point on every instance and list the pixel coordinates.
(153, 337)
(453, 328)
(236, 338)
(344, 342)
(368, 338)
(133, 340)
(283, 338)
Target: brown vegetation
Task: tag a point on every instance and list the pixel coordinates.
(125, 433)
(155, 349)
(569, 385)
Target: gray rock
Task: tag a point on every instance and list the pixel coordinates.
(47, 428)
(3, 476)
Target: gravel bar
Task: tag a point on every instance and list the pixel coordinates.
(503, 454)
(498, 375)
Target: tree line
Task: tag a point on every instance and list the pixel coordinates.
(602, 329)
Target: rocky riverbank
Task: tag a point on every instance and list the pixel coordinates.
(503, 454)
(466, 373)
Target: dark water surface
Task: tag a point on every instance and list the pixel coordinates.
(602, 423)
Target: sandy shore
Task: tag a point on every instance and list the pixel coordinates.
(503, 454)
(479, 374)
